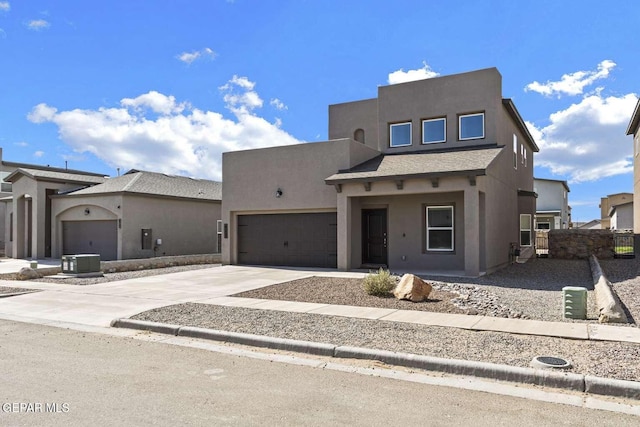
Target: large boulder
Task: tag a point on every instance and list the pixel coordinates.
(27, 273)
(412, 288)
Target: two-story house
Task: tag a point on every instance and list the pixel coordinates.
(608, 203)
(552, 204)
(433, 175)
(634, 129)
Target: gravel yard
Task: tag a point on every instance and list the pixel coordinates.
(12, 290)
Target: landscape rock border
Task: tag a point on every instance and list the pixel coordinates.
(609, 305)
(562, 380)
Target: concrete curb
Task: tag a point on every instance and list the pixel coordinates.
(609, 304)
(318, 349)
(541, 377)
(15, 294)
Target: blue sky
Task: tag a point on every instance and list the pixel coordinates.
(168, 86)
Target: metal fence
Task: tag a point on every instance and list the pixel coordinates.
(623, 245)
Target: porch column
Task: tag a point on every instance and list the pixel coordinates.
(471, 232)
(344, 232)
(19, 208)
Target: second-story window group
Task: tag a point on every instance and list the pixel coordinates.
(470, 126)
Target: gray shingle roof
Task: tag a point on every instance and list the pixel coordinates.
(56, 176)
(141, 182)
(413, 165)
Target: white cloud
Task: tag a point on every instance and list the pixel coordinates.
(4, 6)
(38, 24)
(240, 96)
(189, 57)
(279, 105)
(156, 101)
(38, 153)
(181, 140)
(401, 76)
(21, 144)
(587, 141)
(574, 83)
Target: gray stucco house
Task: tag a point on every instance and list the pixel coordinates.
(434, 175)
(634, 130)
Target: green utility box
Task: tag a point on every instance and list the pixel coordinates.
(78, 264)
(574, 302)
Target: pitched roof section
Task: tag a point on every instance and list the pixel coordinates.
(56, 176)
(152, 183)
(415, 165)
(635, 120)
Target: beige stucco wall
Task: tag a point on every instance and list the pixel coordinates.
(346, 118)
(251, 179)
(185, 226)
(636, 183)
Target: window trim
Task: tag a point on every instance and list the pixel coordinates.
(452, 228)
(515, 151)
(461, 116)
(443, 119)
(525, 229)
(392, 125)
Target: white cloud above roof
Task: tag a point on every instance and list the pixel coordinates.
(587, 141)
(401, 76)
(181, 140)
(38, 24)
(573, 83)
(5, 6)
(190, 57)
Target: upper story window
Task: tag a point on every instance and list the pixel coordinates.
(434, 130)
(515, 151)
(471, 126)
(5, 186)
(400, 134)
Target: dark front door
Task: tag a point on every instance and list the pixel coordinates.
(374, 236)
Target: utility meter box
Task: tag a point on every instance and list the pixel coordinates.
(574, 302)
(83, 263)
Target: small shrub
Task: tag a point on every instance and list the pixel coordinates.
(379, 283)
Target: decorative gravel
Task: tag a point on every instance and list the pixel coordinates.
(623, 275)
(532, 289)
(11, 290)
(124, 275)
(604, 359)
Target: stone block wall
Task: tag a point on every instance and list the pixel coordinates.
(158, 262)
(581, 244)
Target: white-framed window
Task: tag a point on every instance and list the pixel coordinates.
(471, 126)
(522, 150)
(515, 151)
(440, 228)
(400, 134)
(5, 186)
(219, 234)
(525, 230)
(434, 130)
(525, 158)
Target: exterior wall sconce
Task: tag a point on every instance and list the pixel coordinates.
(87, 211)
(278, 193)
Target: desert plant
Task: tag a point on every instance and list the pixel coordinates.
(379, 283)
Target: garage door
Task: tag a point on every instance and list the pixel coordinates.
(297, 240)
(90, 237)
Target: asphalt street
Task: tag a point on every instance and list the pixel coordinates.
(55, 376)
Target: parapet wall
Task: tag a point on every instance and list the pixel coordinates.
(581, 244)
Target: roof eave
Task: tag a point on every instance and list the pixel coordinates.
(515, 115)
(635, 120)
(426, 175)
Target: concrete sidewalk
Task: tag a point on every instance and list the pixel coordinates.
(98, 305)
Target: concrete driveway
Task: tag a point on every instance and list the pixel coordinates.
(97, 305)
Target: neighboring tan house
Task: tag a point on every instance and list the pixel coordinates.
(433, 175)
(634, 129)
(138, 215)
(552, 205)
(606, 203)
(28, 211)
(621, 216)
(55, 212)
